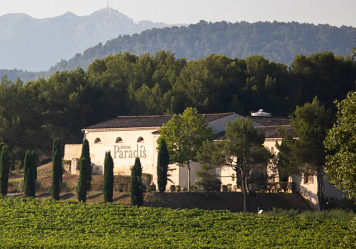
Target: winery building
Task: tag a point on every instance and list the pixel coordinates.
(128, 137)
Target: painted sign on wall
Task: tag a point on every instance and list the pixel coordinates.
(123, 151)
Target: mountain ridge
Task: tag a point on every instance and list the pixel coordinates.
(35, 44)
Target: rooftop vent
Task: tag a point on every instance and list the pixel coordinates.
(261, 113)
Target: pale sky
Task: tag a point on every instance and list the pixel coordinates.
(340, 12)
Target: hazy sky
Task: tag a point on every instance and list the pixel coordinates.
(341, 12)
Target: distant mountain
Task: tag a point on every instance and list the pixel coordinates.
(277, 41)
(36, 44)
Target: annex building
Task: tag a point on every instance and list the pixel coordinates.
(128, 137)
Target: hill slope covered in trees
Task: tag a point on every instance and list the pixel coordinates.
(278, 42)
(125, 84)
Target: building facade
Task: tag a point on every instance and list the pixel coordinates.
(128, 137)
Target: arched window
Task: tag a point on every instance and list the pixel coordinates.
(118, 140)
(97, 141)
(140, 140)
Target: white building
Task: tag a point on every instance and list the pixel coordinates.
(128, 137)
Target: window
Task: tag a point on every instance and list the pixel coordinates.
(140, 140)
(118, 140)
(97, 141)
(272, 150)
(308, 178)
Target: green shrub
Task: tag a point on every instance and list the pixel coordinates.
(172, 188)
(178, 188)
(20, 186)
(207, 185)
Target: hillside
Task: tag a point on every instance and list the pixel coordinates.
(36, 44)
(277, 41)
(222, 201)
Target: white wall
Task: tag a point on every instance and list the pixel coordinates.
(125, 152)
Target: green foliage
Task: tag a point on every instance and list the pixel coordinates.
(125, 84)
(184, 134)
(276, 41)
(76, 225)
(85, 175)
(244, 152)
(82, 184)
(349, 241)
(136, 192)
(57, 169)
(207, 185)
(310, 123)
(4, 169)
(162, 165)
(89, 167)
(211, 157)
(29, 174)
(340, 143)
(108, 177)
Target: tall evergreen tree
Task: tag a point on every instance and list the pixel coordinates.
(136, 184)
(57, 169)
(4, 169)
(29, 175)
(108, 177)
(162, 165)
(85, 172)
(82, 187)
(89, 169)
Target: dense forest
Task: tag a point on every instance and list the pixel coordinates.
(277, 41)
(32, 114)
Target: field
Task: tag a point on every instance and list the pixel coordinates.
(48, 224)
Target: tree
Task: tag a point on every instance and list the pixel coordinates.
(211, 158)
(244, 152)
(340, 144)
(85, 172)
(286, 160)
(136, 184)
(184, 134)
(310, 123)
(4, 169)
(89, 168)
(57, 169)
(29, 175)
(82, 186)
(162, 165)
(108, 177)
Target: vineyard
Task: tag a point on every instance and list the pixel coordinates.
(46, 224)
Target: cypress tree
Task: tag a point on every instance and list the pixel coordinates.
(136, 184)
(4, 169)
(86, 155)
(29, 175)
(162, 165)
(108, 177)
(57, 169)
(82, 184)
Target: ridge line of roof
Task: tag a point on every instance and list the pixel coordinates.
(153, 116)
